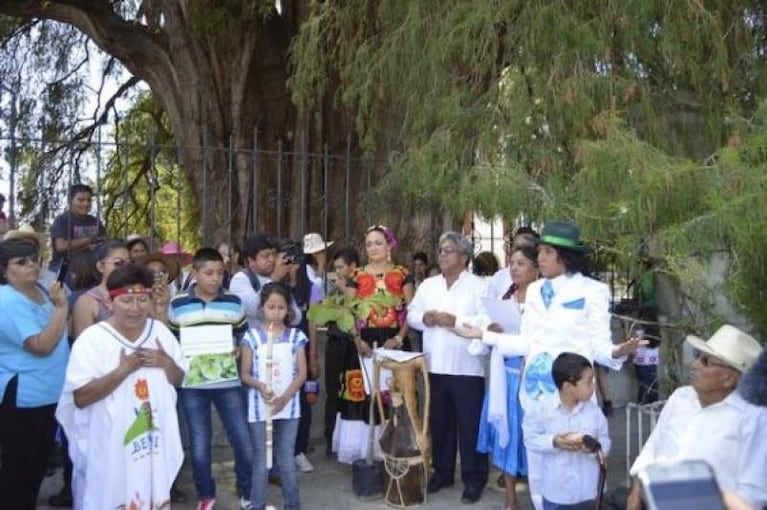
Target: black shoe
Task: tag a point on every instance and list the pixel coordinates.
(607, 408)
(63, 499)
(436, 484)
(177, 495)
(471, 495)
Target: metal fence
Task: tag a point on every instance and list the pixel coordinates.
(289, 190)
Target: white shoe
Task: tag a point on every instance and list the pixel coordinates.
(303, 464)
(245, 504)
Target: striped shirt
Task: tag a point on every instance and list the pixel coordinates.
(256, 339)
(186, 309)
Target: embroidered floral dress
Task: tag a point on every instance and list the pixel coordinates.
(350, 436)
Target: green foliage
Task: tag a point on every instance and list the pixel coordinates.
(609, 113)
(144, 160)
(345, 311)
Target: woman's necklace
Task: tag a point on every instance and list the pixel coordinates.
(379, 270)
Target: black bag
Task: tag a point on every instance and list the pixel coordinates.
(367, 479)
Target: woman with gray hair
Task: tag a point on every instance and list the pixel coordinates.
(33, 358)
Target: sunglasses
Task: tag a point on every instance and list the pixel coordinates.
(447, 250)
(29, 259)
(708, 361)
(120, 262)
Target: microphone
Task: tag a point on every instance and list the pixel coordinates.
(591, 444)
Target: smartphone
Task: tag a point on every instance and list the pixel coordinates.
(63, 269)
(687, 485)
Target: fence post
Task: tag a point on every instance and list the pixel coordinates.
(126, 171)
(278, 201)
(204, 183)
(230, 164)
(179, 183)
(304, 170)
(153, 184)
(325, 192)
(348, 190)
(254, 181)
(98, 173)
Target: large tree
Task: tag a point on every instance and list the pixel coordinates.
(640, 120)
(219, 71)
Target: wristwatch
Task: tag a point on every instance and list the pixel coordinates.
(399, 339)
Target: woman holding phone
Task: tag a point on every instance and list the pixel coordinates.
(33, 358)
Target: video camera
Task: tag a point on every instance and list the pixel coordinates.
(293, 252)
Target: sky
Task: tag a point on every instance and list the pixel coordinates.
(91, 103)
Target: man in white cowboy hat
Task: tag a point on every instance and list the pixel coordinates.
(708, 420)
(316, 247)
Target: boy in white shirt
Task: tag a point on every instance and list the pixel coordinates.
(570, 469)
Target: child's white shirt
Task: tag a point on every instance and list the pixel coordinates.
(568, 477)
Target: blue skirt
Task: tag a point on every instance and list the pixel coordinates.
(511, 459)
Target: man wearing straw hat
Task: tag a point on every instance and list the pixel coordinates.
(708, 420)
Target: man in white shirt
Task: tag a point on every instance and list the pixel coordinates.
(442, 302)
(710, 421)
(263, 265)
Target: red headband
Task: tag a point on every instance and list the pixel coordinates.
(136, 288)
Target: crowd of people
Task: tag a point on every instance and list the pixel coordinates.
(94, 344)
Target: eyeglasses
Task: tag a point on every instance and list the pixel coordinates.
(707, 361)
(119, 262)
(447, 250)
(29, 259)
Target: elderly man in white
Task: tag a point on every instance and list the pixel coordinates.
(710, 421)
(457, 381)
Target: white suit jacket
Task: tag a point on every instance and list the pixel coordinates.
(578, 320)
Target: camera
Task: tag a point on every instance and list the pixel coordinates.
(293, 252)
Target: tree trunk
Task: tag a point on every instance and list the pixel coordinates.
(220, 73)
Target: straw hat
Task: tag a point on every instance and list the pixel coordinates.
(28, 232)
(313, 243)
(169, 262)
(730, 345)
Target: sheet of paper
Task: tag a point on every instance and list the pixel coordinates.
(368, 372)
(502, 312)
(397, 355)
(282, 371)
(209, 351)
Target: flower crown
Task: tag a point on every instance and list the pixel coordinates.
(386, 231)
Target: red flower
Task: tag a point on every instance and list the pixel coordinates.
(388, 317)
(142, 389)
(366, 284)
(394, 281)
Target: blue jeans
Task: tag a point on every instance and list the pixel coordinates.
(284, 439)
(230, 404)
(647, 383)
